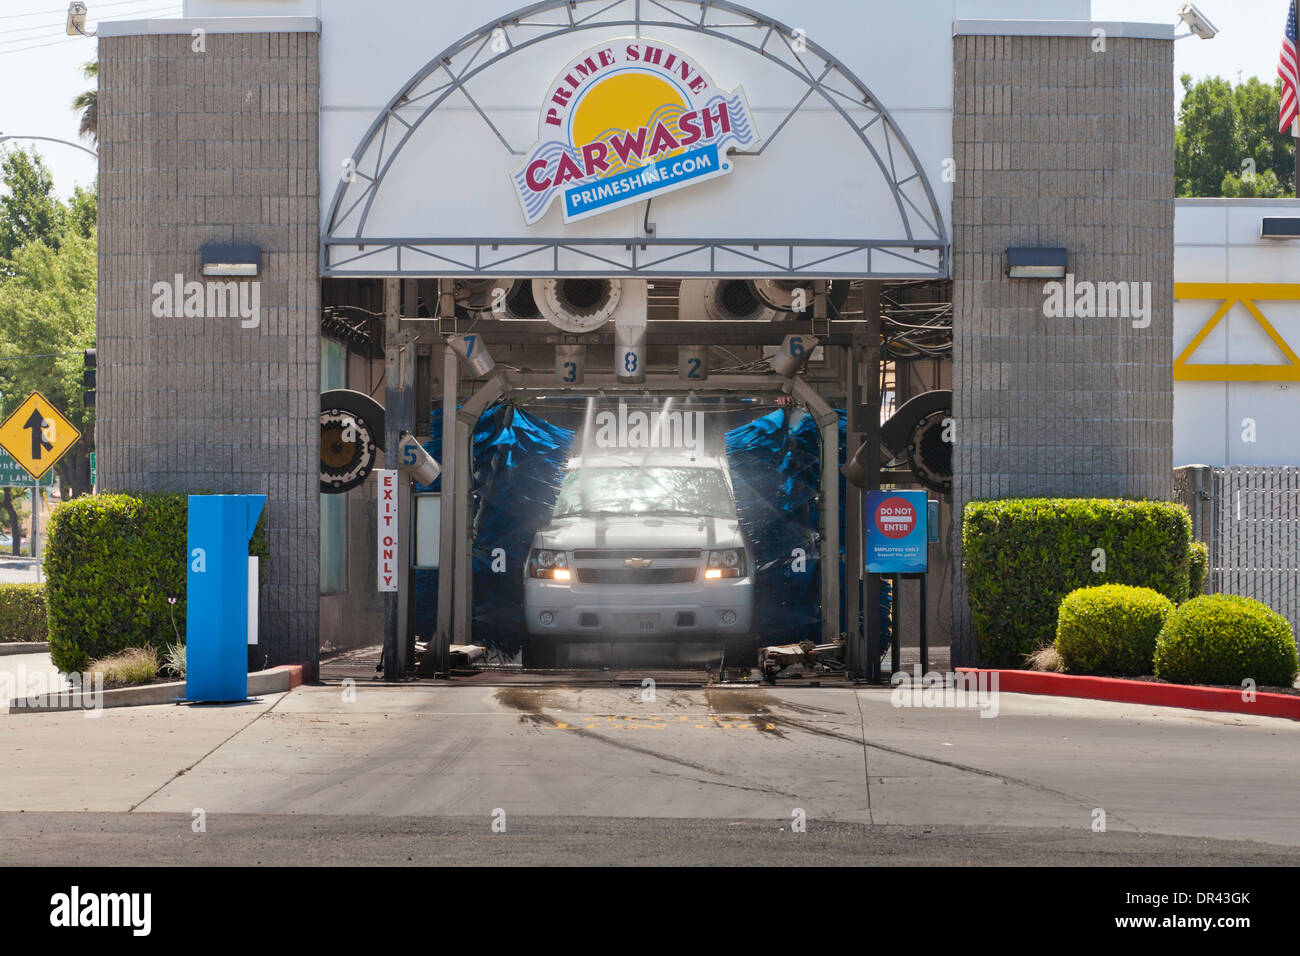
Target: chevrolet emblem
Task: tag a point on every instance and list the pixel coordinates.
(637, 563)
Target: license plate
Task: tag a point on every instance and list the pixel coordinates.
(636, 622)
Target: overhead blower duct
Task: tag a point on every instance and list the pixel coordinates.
(498, 298)
(755, 300)
(796, 295)
(920, 433)
(723, 300)
(578, 305)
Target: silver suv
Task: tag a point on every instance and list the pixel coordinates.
(640, 549)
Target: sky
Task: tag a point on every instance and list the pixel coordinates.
(40, 67)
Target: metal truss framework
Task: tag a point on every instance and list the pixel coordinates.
(922, 252)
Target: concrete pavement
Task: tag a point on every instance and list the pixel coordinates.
(20, 666)
(841, 756)
(17, 570)
(241, 839)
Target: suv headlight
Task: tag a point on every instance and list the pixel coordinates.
(725, 564)
(545, 563)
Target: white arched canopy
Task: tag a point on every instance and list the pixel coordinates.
(831, 187)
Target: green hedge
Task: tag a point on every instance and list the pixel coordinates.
(111, 563)
(1023, 555)
(1110, 629)
(22, 613)
(1225, 639)
(1200, 569)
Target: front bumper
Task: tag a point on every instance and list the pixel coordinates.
(656, 613)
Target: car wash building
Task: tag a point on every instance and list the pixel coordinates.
(641, 277)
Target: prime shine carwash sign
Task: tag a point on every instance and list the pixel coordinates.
(625, 122)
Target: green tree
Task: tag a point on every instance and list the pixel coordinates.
(1226, 142)
(83, 212)
(47, 319)
(29, 210)
(88, 103)
(1260, 186)
(11, 503)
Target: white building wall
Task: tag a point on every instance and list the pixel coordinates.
(1218, 241)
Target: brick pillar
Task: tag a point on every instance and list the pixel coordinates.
(199, 146)
(1058, 144)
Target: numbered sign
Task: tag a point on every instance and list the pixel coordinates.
(473, 354)
(570, 364)
(793, 354)
(629, 350)
(412, 457)
(693, 363)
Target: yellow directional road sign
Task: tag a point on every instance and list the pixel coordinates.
(37, 435)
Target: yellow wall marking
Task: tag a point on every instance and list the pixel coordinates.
(1229, 294)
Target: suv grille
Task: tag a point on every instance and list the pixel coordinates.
(636, 575)
(591, 554)
(596, 554)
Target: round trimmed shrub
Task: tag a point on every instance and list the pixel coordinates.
(1111, 628)
(1225, 639)
(1199, 569)
(1022, 556)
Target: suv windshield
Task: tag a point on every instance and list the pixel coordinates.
(645, 490)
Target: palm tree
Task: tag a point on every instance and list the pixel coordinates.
(88, 103)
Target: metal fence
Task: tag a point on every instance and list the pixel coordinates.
(1253, 534)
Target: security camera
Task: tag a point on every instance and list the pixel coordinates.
(77, 20)
(1197, 22)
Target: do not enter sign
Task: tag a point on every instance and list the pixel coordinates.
(896, 517)
(896, 540)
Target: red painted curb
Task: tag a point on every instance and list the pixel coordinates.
(1142, 692)
(297, 673)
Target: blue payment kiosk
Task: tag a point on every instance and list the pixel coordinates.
(217, 592)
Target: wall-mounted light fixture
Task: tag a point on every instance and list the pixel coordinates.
(230, 258)
(1197, 23)
(1036, 263)
(1280, 227)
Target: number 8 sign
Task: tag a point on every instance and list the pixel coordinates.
(629, 352)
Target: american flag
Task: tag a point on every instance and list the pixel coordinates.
(1287, 69)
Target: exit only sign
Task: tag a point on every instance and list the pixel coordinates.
(387, 529)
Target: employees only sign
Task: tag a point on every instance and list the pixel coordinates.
(896, 540)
